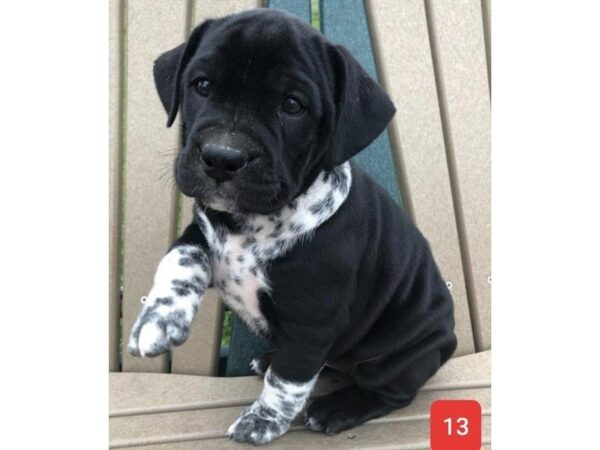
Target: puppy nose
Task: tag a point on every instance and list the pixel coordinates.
(222, 161)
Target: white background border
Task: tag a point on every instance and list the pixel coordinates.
(54, 232)
(546, 229)
(54, 235)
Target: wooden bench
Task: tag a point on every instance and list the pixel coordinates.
(433, 58)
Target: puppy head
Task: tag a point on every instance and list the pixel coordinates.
(266, 104)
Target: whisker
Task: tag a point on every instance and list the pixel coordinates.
(169, 182)
(170, 153)
(165, 172)
(167, 176)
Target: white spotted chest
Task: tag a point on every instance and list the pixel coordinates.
(239, 259)
(238, 277)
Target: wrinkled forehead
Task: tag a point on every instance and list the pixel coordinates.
(250, 52)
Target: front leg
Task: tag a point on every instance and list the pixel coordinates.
(180, 282)
(271, 414)
(288, 382)
(260, 365)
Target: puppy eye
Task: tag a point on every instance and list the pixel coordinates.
(291, 105)
(203, 87)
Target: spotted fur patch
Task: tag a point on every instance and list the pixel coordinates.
(271, 414)
(169, 309)
(239, 259)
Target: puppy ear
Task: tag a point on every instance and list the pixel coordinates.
(363, 109)
(169, 67)
(165, 69)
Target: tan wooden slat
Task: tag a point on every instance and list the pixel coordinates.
(213, 423)
(204, 427)
(114, 303)
(316, 441)
(310, 441)
(411, 435)
(199, 355)
(403, 436)
(458, 44)
(207, 9)
(486, 10)
(139, 393)
(474, 370)
(149, 201)
(401, 43)
(399, 436)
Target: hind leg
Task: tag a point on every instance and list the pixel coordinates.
(344, 409)
(380, 388)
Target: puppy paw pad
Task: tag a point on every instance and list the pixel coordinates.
(254, 429)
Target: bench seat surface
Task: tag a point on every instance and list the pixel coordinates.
(169, 411)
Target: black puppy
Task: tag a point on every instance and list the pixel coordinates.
(303, 245)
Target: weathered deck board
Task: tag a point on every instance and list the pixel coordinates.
(140, 393)
(321, 444)
(149, 198)
(407, 72)
(176, 411)
(212, 423)
(391, 435)
(199, 355)
(486, 10)
(459, 53)
(159, 411)
(114, 302)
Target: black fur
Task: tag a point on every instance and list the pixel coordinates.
(254, 60)
(364, 291)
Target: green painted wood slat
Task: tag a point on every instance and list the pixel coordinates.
(344, 22)
(300, 8)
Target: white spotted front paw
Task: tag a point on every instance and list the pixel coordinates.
(258, 426)
(158, 327)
